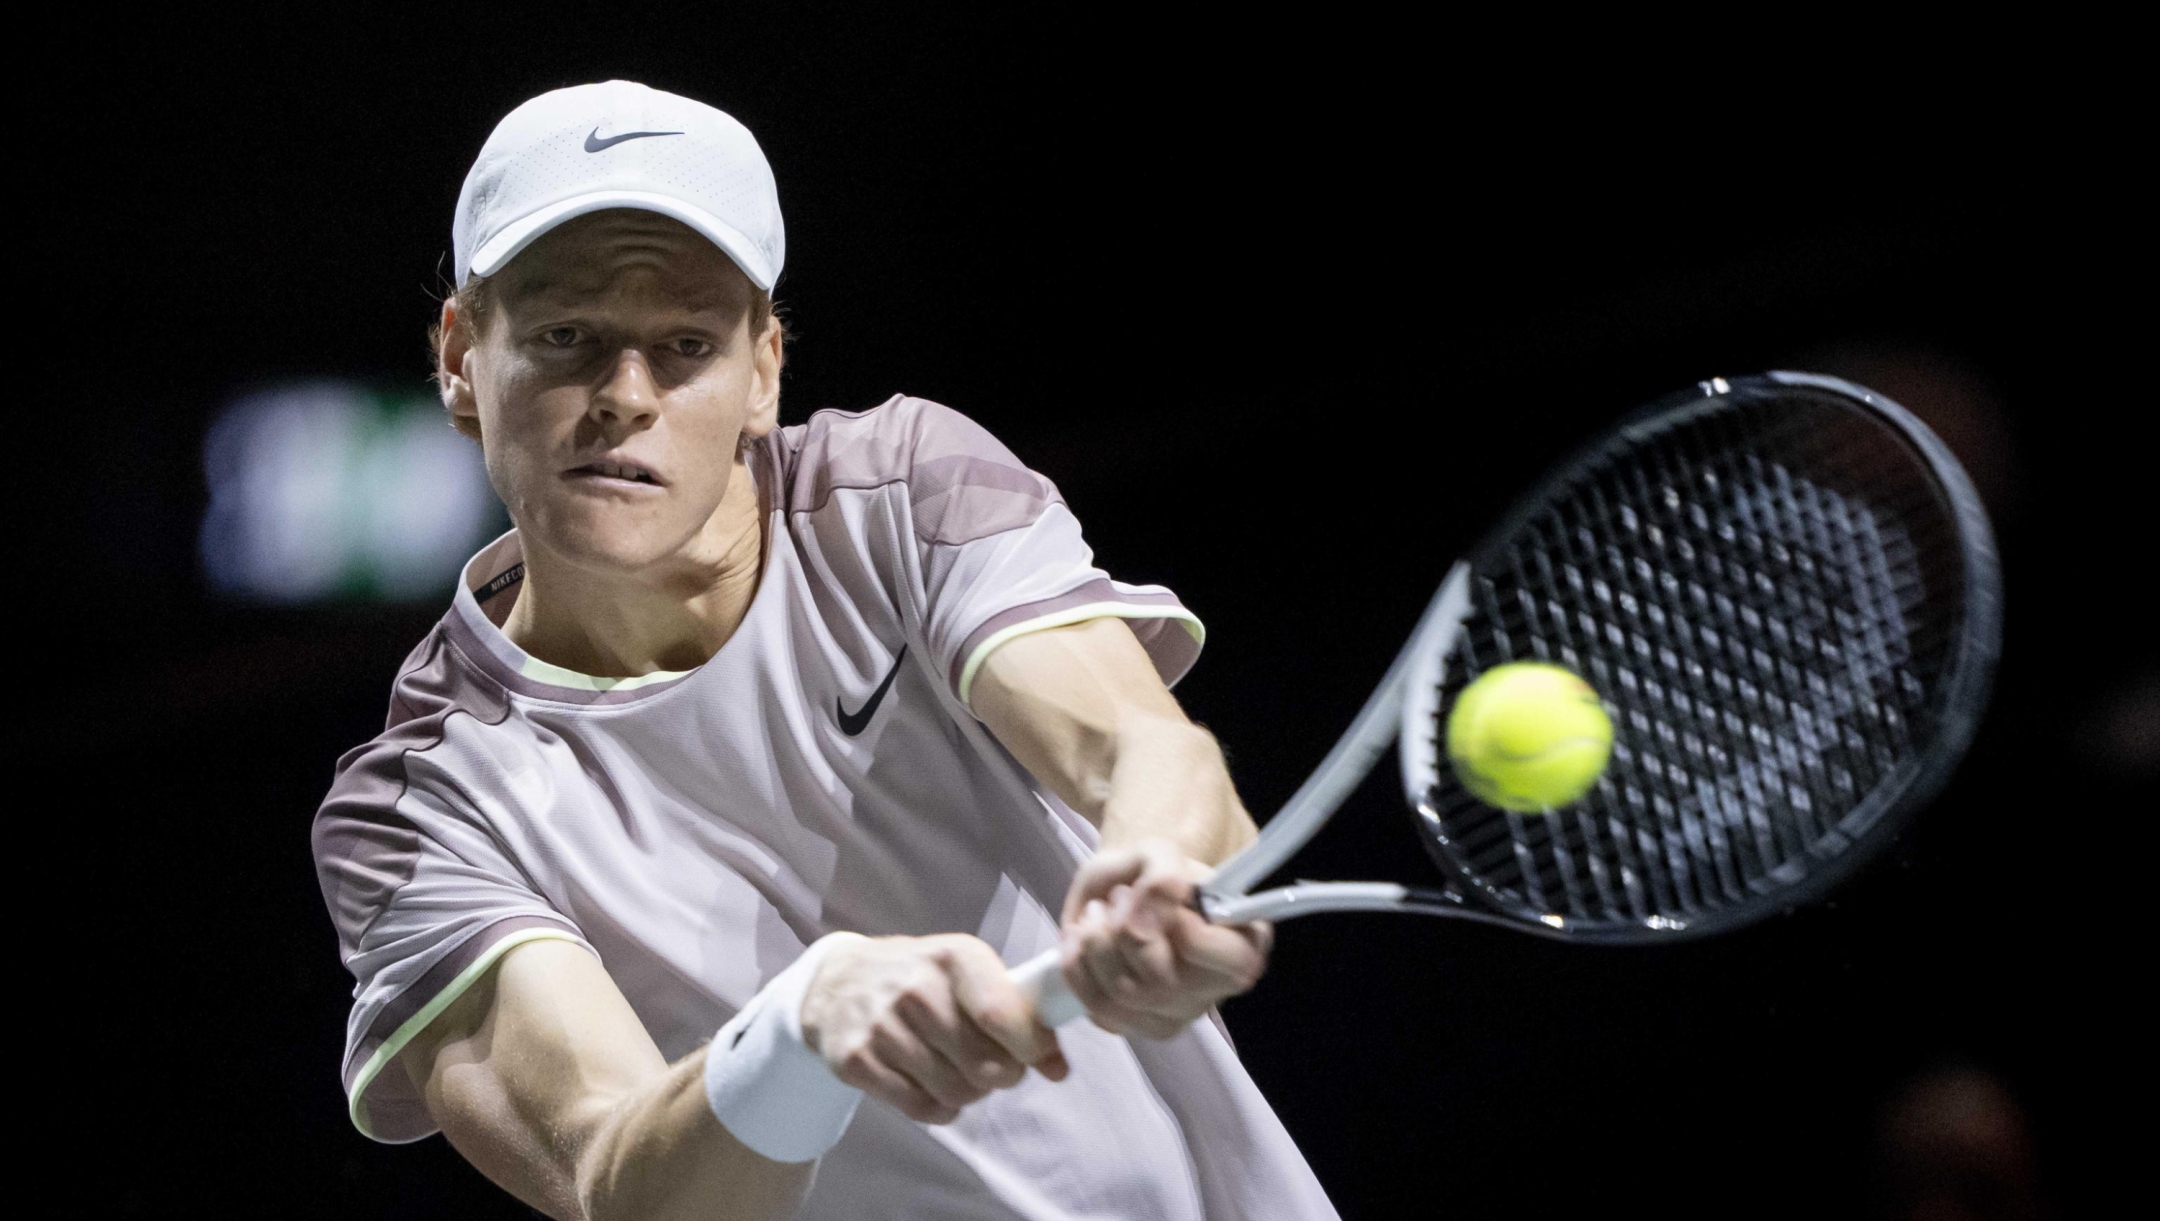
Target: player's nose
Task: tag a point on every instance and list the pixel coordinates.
(626, 397)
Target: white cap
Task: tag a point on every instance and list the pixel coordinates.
(618, 145)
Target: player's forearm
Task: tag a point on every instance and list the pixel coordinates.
(543, 1078)
(1084, 710)
(661, 1154)
(1167, 780)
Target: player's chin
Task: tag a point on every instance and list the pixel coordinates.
(599, 536)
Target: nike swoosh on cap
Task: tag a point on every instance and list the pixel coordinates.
(855, 722)
(593, 142)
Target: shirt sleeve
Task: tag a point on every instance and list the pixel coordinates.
(1002, 556)
(425, 901)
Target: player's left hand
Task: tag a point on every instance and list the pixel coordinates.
(1137, 952)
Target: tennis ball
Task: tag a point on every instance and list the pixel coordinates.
(1528, 736)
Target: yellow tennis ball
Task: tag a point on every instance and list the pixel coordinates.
(1528, 736)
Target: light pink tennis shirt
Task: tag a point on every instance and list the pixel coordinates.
(821, 772)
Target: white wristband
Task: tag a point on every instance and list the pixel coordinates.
(767, 1087)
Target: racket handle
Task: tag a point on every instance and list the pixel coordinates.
(1044, 985)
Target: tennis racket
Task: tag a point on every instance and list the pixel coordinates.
(1784, 590)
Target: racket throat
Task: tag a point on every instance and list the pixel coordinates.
(1312, 898)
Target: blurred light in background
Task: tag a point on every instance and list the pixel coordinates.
(327, 490)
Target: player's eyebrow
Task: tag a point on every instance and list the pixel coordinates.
(553, 290)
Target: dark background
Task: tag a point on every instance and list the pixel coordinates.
(1289, 312)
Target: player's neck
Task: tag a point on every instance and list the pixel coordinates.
(674, 617)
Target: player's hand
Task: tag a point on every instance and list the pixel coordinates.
(1138, 954)
(929, 1024)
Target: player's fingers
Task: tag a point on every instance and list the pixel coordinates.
(1114, 999)
(1167, 877)
(1231, 956)
(1147, 961)
(1119, 998)
(863, 1069)
(948, 1033)
(1118, 1017)
(1153, 1016)
(988, 997)
(929, 1009)
(1228, 961)
(1095, 973)
(1086, 944)
(1054, 1066)
(1103, 938)
(898, 1047)
(1108, 868)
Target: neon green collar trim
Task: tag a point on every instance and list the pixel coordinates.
(556, 676)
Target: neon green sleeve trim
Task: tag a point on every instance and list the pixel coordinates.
(1078, 614)
(432, 1010)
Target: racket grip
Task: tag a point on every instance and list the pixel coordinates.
(1044, 985)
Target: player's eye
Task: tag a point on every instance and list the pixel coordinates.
(692, 348)
(560, 337)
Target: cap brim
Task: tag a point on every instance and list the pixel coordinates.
(517, 235)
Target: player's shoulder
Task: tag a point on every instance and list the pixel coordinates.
(886, 442)
(436, 683)
(937, 455)
(365, 837)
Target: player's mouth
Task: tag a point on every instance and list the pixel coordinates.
(615, 473)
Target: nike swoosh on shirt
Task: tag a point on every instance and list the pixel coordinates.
(852, 723)
(593, 142)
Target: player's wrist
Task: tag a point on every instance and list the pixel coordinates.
(763, 1081)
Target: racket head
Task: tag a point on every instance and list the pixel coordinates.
(1785, 591)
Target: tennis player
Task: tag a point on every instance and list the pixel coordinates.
(683, 879)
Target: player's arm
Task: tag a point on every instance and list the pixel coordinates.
(543, 1077)
(1084, 710)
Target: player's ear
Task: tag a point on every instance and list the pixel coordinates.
(452, 346)
(766, 359)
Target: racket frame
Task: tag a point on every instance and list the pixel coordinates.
(1402, 709)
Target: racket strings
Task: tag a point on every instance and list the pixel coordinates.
(1766, 601)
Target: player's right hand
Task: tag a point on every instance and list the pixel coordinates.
(928, 1024)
